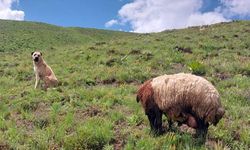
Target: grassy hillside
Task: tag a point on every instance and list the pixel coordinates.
(95, 106)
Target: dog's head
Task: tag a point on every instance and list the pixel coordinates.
(36, 56)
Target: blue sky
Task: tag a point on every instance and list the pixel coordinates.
(126, 15)
(81, 13)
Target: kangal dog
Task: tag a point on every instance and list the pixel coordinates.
(43, 71)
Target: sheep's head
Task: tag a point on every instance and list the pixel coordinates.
(145, 95)
(219, 114)
(214, 115)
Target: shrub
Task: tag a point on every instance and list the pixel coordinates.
(197, 68)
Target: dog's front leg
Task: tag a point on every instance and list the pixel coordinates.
(37, 81)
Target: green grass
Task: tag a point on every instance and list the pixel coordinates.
(99, 71)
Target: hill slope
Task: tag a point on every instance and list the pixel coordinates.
(17, 35)
(100, 70)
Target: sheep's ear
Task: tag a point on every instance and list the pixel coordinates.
(137, 98)
(220, 112)
(32, 53)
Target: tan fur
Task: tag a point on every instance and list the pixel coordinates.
(180, 92)
(43, 71)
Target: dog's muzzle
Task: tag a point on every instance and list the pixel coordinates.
(36, 59)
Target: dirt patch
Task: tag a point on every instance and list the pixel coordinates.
(135, 52)
(54, 147)
(42, 110)
(114, 82)
(24, 93)
(219, 37)
(111, 62)
(119, 139)
(236, 35)
(183, 49)
(92, 48)
(100, 43)
(176, 68)
(4, 146)
(241, 58)
(222, 75)
(247, 30)
(158, 39)
(109, 81)
(236, 135)
(12, 97)
(187, 38)
(114, 52)
(91, 111)
(23, 123)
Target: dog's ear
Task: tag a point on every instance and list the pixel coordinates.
(32, 53)
(41, 53)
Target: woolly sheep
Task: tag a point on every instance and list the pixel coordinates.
(184, 98)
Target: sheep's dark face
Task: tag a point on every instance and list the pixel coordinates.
(219, 114)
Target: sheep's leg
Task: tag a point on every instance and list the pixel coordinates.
(151, 118)
(202, 129)
(158, 121)
(155, 119)
(202, 132)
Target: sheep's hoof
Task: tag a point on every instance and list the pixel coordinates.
(156, 132)
(200, 140)
(201, 136)
(172, 129)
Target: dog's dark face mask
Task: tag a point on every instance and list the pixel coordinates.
(36, 56)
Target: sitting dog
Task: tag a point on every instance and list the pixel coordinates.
(43, 71)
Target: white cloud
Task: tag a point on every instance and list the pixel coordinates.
(6, 11)
(236, 7)
(111, 23)
(159, 15)
(199, 19)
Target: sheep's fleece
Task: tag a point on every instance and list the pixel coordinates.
(183, 93)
